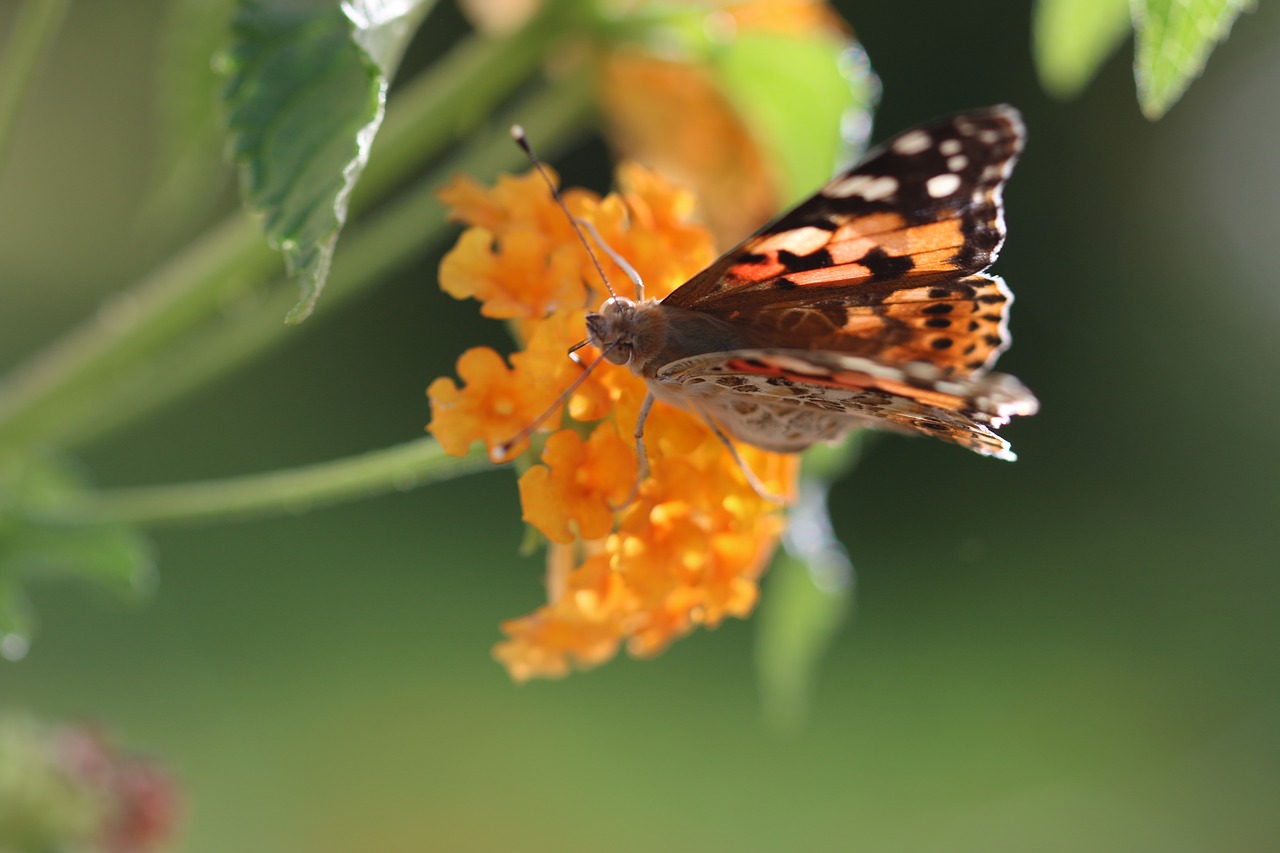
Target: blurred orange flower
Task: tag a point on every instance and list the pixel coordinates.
(690, 547)
(665, 101)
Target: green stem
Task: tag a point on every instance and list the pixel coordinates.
(232, 258)
(35, 25)
(402, 467)
(445, 105)
(407, 228)
(130, 326)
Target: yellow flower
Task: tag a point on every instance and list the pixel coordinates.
(493, 406)
(675, 114)
(498, 401)
(524, 280)
(583, 626)
(672, 114)
(661, 88)
(688, 550)
(580, 481)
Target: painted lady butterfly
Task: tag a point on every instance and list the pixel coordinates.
(865, 306)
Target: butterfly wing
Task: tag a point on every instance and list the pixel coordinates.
(884, 260)
(786, 400)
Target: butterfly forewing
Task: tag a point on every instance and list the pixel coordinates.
(959, 325)
(879, 259)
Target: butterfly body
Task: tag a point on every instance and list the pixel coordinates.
(865, 306)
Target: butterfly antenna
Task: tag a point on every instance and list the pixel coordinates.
(501, 451)
(629, 270)
(517, 133)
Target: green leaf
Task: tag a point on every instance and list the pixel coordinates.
(384, 28)
(804, 605)
(808, 136)
(17, 622)
(306, 96)
(32, 546)
(26, 38)
(1072, 38)
(1174, 39)
(809, 592)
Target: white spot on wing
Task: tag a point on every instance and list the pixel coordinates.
(949, 147)
(880, 188)
(799, 241)
(869, 187)
(957, 162)
(845, 187)
(942, 185)
(912, 142)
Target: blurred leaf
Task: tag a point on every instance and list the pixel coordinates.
(761, 73)
(1174, 39)
(1072, 38)
(799, 619)
(809, 593)
(16, 620)
(829, 462)
(306, 95)
(188, 171)
(384, 28)
(111, 555)
(28, 32)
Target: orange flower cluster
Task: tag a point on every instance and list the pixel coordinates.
(689, 548)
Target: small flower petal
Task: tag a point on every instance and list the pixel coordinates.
(578, 483)
(517, 275)
(494, 406)
(583, 627)
(674, 116)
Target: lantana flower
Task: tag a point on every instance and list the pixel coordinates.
(688, 549)
(676, 95)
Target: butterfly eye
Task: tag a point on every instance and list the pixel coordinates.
(619, 353)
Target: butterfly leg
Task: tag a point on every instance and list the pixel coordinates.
(752, 480)
(642, 457)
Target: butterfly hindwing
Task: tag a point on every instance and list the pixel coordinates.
(786, 400)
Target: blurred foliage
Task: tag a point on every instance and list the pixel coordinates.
(1072, 38)
(33, 547)
(304, 101)
(71, 788)
(1174, 39)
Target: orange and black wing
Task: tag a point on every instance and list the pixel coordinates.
(885, 261)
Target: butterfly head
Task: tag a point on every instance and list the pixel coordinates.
(612, 329)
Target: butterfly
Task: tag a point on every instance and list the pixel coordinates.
(867, 305)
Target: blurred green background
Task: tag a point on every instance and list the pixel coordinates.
(1074, 652)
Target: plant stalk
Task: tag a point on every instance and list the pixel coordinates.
(405, 466)
(35, 28)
